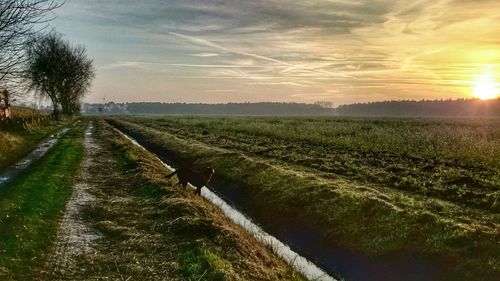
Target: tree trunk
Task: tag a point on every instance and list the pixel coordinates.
(55, 113)
(55, 104)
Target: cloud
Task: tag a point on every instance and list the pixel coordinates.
(281, 83)
(205, 55)
(353, 46)
(290, 66)
(147, 65)
(221, 91)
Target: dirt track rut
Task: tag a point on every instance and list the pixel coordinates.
(74, 236)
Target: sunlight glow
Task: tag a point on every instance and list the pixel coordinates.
(486, 87)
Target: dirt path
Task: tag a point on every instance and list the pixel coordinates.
(101, 234)
(75, 237)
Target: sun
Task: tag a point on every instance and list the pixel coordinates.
(486, 88)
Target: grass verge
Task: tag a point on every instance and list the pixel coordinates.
(32, 204)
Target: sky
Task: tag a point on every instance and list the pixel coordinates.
(341, 51)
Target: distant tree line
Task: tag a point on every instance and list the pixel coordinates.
(459, 107)
(424, 108)
(259, 109)
(110, 108)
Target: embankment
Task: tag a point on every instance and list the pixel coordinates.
(158, 231)
(348, 230)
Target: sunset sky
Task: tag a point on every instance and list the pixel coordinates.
(343, 51)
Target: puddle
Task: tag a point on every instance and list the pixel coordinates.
(300, 263)
(89, 131)
(23, 163)
(36, 154)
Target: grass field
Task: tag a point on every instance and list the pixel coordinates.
(31, 205)
(456, 161)
(379, 187)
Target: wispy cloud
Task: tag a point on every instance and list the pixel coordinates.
(291, 67)
(221, 91)
(146, 65)
(205, 55)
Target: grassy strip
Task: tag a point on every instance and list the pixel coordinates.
(31, 205)
(16, 142)
(351, 217)
(197, 241)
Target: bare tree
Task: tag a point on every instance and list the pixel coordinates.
(19, 20)
(59, 71)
